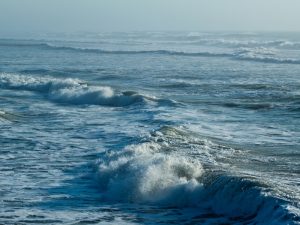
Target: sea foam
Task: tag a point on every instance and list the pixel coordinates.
(262, 54)
(153, 172)
(71, 91)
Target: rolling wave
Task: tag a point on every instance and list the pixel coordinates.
(262, 54)
(137, 52)
(157, 172)
(74, 91)
(234, 43)
(257, 53)
(47, 46)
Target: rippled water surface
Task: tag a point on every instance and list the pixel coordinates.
(150, 128)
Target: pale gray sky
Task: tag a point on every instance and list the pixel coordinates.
(132, 15)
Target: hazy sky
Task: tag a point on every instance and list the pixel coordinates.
(132, 15)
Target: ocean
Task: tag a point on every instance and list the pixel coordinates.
(150, 128)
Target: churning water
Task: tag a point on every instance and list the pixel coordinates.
(150, 128)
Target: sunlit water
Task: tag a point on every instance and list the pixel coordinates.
(150, 128)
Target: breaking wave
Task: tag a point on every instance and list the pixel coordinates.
(74, 91)
(47, 46)
(258, 54)
(154, 172)
(265, 55)
(136, 52)
(234, 43)
(246, 53)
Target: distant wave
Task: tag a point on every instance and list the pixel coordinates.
(74, 91)
(154, 172)
(247, 54)
(102, 51)
(269, 59)
(138, 52)
(234, 43)
(257, 54)
(264, 55)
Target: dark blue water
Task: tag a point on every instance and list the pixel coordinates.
(149, 128)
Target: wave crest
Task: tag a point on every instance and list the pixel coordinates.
(152, 172)
(73, 91)
(258, 54)
(135, 174)
(262, 54)
(248, 52)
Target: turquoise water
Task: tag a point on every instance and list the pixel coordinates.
(149, 128)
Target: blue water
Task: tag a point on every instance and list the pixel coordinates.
(150, 128)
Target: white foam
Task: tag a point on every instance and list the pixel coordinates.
(141, 173)
(72, 91)
(261, 54)
(151, 172)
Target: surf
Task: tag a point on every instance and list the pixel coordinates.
(75, 91)
(134, 175)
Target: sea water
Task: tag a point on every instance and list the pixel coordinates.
(150, 128)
